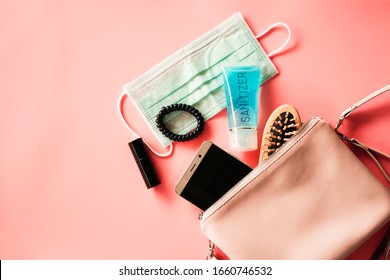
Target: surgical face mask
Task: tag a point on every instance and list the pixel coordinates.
(193, 76)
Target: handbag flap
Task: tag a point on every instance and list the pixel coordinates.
(312, 199)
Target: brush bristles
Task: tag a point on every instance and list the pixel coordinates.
(281, 130)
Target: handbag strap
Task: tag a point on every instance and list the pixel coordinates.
(384, 247)
(371, 152)
(351, 109)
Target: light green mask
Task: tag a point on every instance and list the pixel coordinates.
(193, 76)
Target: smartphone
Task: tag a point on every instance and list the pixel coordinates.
(212, 172)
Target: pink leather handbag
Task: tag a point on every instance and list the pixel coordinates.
(312, 199)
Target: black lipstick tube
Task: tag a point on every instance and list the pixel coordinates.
(144, 163)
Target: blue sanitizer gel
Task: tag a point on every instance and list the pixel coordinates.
(242, 99)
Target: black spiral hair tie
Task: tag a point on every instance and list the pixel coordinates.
(180, 107)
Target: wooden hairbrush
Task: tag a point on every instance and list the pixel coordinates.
(283, 123)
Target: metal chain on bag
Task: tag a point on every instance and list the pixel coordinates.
(210, 255)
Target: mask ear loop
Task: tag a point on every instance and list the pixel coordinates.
(284, 44)
(119, 107)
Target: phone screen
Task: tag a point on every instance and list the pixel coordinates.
(211, 174)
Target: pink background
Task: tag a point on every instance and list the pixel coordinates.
(69, 187)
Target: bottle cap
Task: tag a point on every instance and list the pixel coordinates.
(243, 139)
